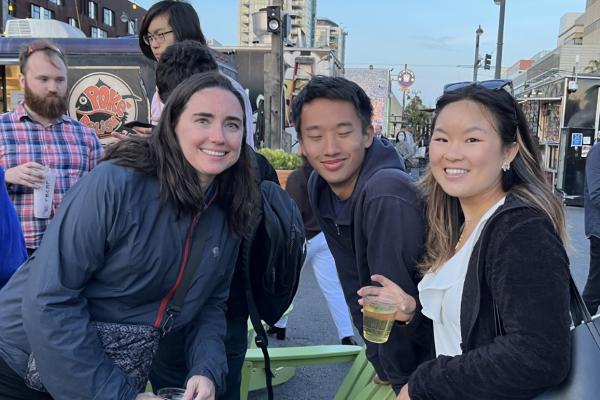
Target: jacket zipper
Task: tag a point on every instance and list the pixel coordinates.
(186, 253)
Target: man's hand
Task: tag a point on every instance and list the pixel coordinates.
(30, 174)
(143, 132)
(147, 396)
(391, 293)
(199, 388)
(403, 395)
(139, 131)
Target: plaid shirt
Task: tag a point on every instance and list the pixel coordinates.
(68, 147)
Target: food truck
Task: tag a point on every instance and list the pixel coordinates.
(110, 81)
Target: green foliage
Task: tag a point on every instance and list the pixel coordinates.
(414, 114)
(594, 66)
(280, 159)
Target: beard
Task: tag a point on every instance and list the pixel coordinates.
(51, 107)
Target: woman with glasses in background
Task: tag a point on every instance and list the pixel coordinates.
(168, 22)
(496, 274)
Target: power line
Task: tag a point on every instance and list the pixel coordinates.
(411, 65)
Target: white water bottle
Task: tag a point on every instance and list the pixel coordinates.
(43, 196)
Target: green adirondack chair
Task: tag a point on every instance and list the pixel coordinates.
(358, 384)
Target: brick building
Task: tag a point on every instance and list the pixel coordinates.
(96, 18)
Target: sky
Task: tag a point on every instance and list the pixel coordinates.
(436, 38)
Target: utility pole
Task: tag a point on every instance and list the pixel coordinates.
(478, 33)
(404, 90)
(273, 77)
(502, 4)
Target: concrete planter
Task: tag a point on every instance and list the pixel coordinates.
(282, 175)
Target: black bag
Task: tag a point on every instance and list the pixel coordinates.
(133, 347)
(272, 258)
(582, 383)
(276, 252)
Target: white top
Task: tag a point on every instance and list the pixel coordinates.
(441, 291)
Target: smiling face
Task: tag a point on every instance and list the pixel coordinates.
(333, 141)
(158, 27)
(466, 153)
(210, 131)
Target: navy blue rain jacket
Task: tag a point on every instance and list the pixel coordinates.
(111, 254)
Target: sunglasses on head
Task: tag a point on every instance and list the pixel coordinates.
(492, 84)
(33, 48)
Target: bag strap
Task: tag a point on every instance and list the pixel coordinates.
(261, 336)
(199, 239)
(579, 311)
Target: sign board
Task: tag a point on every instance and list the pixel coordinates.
(104, 98)
(406, 78)
(576, 139)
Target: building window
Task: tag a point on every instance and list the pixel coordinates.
(73, 22)
(92, 10)
(98, 33)
(38, 12)
(57, 2)
(109, 17)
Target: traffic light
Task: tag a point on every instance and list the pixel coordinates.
(273, 19)
(487, 62)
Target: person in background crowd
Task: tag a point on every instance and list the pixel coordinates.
(178, 62)
(114, 253)
(378, 131)
(405, 145)
(496, 283)
(12, 244)
(591, 199)
(367, 208)
(172, 21)
(38, 138)
(319, 258)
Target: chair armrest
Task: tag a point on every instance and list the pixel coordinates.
(304, 355)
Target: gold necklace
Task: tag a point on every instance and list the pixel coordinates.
(462, 231)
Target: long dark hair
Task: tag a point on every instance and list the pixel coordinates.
(183, 19)
(161, 156)
(525, 178)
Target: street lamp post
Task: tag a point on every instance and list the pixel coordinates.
(502, 4)
(478, 33)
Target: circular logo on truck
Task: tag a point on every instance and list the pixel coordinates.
(104, 102)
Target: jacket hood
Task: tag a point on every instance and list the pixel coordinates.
(381, 155)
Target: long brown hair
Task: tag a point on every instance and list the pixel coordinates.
(161, 156)
(525, 179)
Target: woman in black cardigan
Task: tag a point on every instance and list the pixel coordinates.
(495, 243)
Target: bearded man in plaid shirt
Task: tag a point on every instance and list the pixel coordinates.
(38, 136)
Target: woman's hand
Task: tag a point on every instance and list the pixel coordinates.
(199, 388)
(391, 293)
(403, 395)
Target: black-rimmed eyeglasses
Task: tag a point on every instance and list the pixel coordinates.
(158, 38)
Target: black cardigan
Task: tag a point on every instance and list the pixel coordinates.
(521, 263)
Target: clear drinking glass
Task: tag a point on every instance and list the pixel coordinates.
(171, 393)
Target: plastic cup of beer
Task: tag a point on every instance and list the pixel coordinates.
(171, 393)
(378, 318)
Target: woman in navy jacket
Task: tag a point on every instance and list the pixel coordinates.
(116, 248)
(494, 247)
